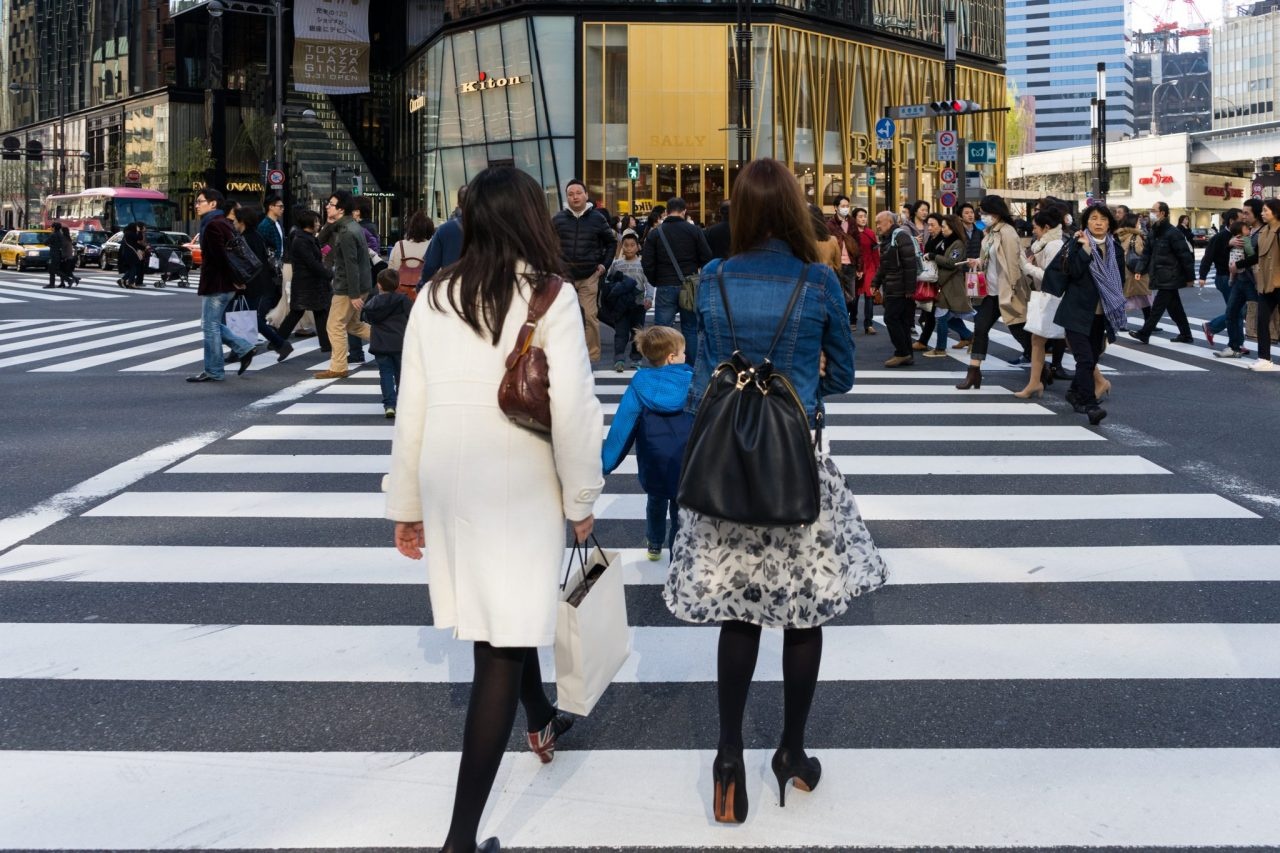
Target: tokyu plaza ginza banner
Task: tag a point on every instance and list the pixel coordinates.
(331, 46)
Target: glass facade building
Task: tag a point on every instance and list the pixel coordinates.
(576, 95)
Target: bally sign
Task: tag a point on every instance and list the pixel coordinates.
(484, 81)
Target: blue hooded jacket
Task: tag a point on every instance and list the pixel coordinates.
(651, 416)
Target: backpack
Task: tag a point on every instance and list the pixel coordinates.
(660, 442)
(893, 238)
(410, 273)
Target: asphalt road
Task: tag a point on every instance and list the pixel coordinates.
(1076, 647)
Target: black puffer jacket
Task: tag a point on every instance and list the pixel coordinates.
(309, 289)
(586, 241)
(1167, 261)
(897, 273)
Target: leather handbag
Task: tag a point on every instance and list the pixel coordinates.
(750, 458)
(245, 265)
(524, 395)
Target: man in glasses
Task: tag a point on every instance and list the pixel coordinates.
(217, 284)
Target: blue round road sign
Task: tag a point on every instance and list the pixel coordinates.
(885, 128)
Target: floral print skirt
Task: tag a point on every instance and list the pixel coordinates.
(776, 577)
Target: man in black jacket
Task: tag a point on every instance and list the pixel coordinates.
(896, 279)
(1169, 266)
(587, 245)
(718, 235)
(1218, 255)
(674, 250)
(972, 233)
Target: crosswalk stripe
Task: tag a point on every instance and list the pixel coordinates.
(81, 333)
(383, 565)
(1051, 798)
(34, 293)
(116, 291)
(858, 390)
(864, 409)
(6, 325)
(400, 653)
(1205, 352)
(887, 432)
(976, 466)
(117, 355)
(874, 507)
(267, 359)
(47, 327)
(276, 463)
(194, 356)
(98, 343)
(4, 300)
(69, 293)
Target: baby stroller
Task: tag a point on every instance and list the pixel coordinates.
(172, 268)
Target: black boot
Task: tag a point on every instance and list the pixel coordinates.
(972, 379)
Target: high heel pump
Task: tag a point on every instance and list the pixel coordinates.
(1030, 391)
(789, 766)
(972, 379)
(1102, 390)
(729, 801)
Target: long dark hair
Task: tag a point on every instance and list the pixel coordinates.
(768, 203)
(504, 221)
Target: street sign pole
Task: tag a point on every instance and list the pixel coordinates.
(890, 179)
(949, 27)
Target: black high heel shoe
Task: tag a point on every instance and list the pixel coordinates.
(489, 845)
(729, 801)
(795, 767)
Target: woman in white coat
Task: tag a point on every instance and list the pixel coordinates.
(485, 499)
(1047, 229)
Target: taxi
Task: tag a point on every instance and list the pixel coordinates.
(24, 249)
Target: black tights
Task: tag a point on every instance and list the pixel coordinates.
(503, 676)
(736, 664)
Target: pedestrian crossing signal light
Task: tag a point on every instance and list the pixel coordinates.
(633, 168)
(357, 185)
(953, 108)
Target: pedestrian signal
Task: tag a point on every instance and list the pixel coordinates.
(953, 108)
(357, 185)
(633, 168)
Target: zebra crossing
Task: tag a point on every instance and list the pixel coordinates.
(229, 654)
(95, 285)
(74, 345)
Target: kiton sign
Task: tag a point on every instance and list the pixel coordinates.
(484, 81)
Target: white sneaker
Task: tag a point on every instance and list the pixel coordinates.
(1261, 366)
(1228, 352)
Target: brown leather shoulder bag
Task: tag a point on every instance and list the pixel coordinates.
(525, 393)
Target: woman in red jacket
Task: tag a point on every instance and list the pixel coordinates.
(868, 263)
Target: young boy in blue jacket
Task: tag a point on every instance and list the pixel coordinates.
(651, 416)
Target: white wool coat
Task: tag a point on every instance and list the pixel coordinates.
(493, 497)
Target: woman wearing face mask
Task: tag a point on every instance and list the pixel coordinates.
(1007, 289)
(1168, 266)
(1044, 250)
(952, 304)
(868, 263)
(1092, 307)
(1267, 278)
(843, 228)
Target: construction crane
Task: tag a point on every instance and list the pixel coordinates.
(1167, 31)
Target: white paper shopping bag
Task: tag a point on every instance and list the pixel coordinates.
(593, 640)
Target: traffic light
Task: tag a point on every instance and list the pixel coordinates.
(633, 168)
(871, 176)
(357, 184)
(35, 151)
(953, 108)
(12, 148)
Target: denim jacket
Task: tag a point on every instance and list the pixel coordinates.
(759, 284)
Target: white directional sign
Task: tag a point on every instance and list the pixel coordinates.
(947, 147)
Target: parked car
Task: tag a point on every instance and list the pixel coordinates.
(89, 247)
(24, 249)
(194, 248)
(1199, 238)
(162, 245)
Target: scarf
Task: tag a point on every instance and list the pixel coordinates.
(1110, 284)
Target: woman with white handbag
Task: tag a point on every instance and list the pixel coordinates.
(934, 242)
(1046, 228)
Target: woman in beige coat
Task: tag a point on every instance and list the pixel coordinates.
(487, 500)
(1267, 281)
(1007, 289)
(1047, 230)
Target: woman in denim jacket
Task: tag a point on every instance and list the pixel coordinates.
(746, 577)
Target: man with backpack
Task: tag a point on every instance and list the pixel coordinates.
(674, 252)
(1169, 265)
(896, 279)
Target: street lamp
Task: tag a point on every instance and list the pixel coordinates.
(1155, 123)
(1236, 110)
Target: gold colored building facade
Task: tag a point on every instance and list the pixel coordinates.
(664, 93)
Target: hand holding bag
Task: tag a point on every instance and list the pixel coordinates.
(242, 320)
(592, 637)
(975, 284)
(524, 394)
(1042, 307)
(925, 291)
(928, 271)
(749, 458)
